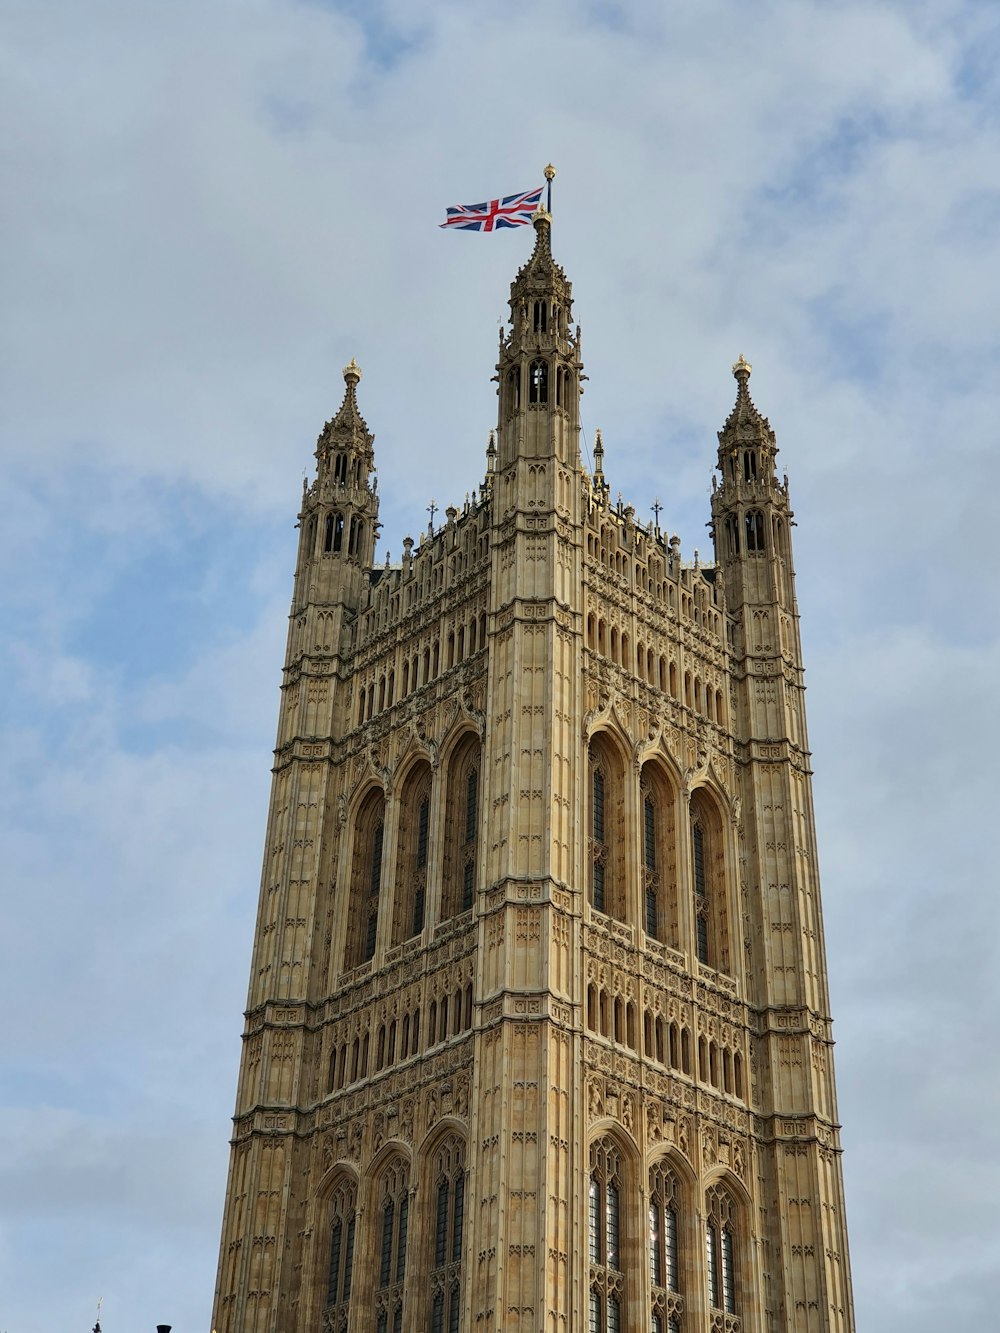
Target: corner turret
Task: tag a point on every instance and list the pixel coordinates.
(339, 518)
(751, 517)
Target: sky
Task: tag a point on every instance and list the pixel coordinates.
(209, 207)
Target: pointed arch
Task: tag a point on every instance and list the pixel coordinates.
(462, 820)
(755, 530)
(538, 382)
(612, 1184)
(336, 1251)
(726, 1247)
(658, 842)
(711, 945)
(413, 852)
(606, 826)
(389, 1239)
(444, 1179)
(366, 878)
(668, 1224)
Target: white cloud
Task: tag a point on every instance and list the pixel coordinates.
(216, 206)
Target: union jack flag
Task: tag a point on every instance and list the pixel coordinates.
(514, 210)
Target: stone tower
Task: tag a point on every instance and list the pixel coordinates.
(538, 1038)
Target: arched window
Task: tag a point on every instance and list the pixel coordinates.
(755, 530)
(538, 382)
(604, 826)
(720, 1251)
(605, 1217)
(392, 1216)
(413, 854)
(366, 880)
(701, 905)
(711, 943)
(649, 863)
(540, 316)
(445, 1266)
(340, 1257)
(732, 534)
(749, 464)
(462, 828)
(328, 533)
(659, 870)
(598, 831)
(665, 1271)
(513, 390)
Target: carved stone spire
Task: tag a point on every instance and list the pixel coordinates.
(745, 427)
(348, 429)
(539, 366)
(339, 518)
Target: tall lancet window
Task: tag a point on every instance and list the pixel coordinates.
(392, 1219)
(469, 846)
(598, 829)
(448, 1201)
(605, 828)
(701, 904)
(658, 841)
(650, 872)
(604, 1224)
(366, 880)
(708, 876)
(720, 1251)
(513, 389)
(665, 1273)
(538, 382)
(755, 530)
(340, 1257)
(732, 534)
(413, 854)
(462, 828)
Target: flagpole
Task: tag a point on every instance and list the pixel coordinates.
(550, 171)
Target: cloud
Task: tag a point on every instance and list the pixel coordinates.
(216, 206)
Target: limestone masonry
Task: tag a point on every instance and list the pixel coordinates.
(538, 1036)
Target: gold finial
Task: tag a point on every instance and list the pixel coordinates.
(550, 172)
(742, 368)
(352, 371)
(541, 215)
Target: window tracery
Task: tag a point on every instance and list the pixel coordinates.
(366, 880)
(413, 854)
(721, 1231)
(462, 828)
(392, 1218)
(658, 820)
(604, 1225)
(708, 877)
(664, 1240)
(448, 1194)
(340, 1257)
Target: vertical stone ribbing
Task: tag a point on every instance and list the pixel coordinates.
(680, 1026)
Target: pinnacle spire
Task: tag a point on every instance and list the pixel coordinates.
(347, 427)
(746, 423)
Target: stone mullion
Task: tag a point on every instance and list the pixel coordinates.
(388, 887)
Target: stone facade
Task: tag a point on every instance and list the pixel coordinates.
(538, 1037)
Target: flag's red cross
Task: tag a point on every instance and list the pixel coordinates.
(513, 210)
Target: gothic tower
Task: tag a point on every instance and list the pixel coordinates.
(538, 1037)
